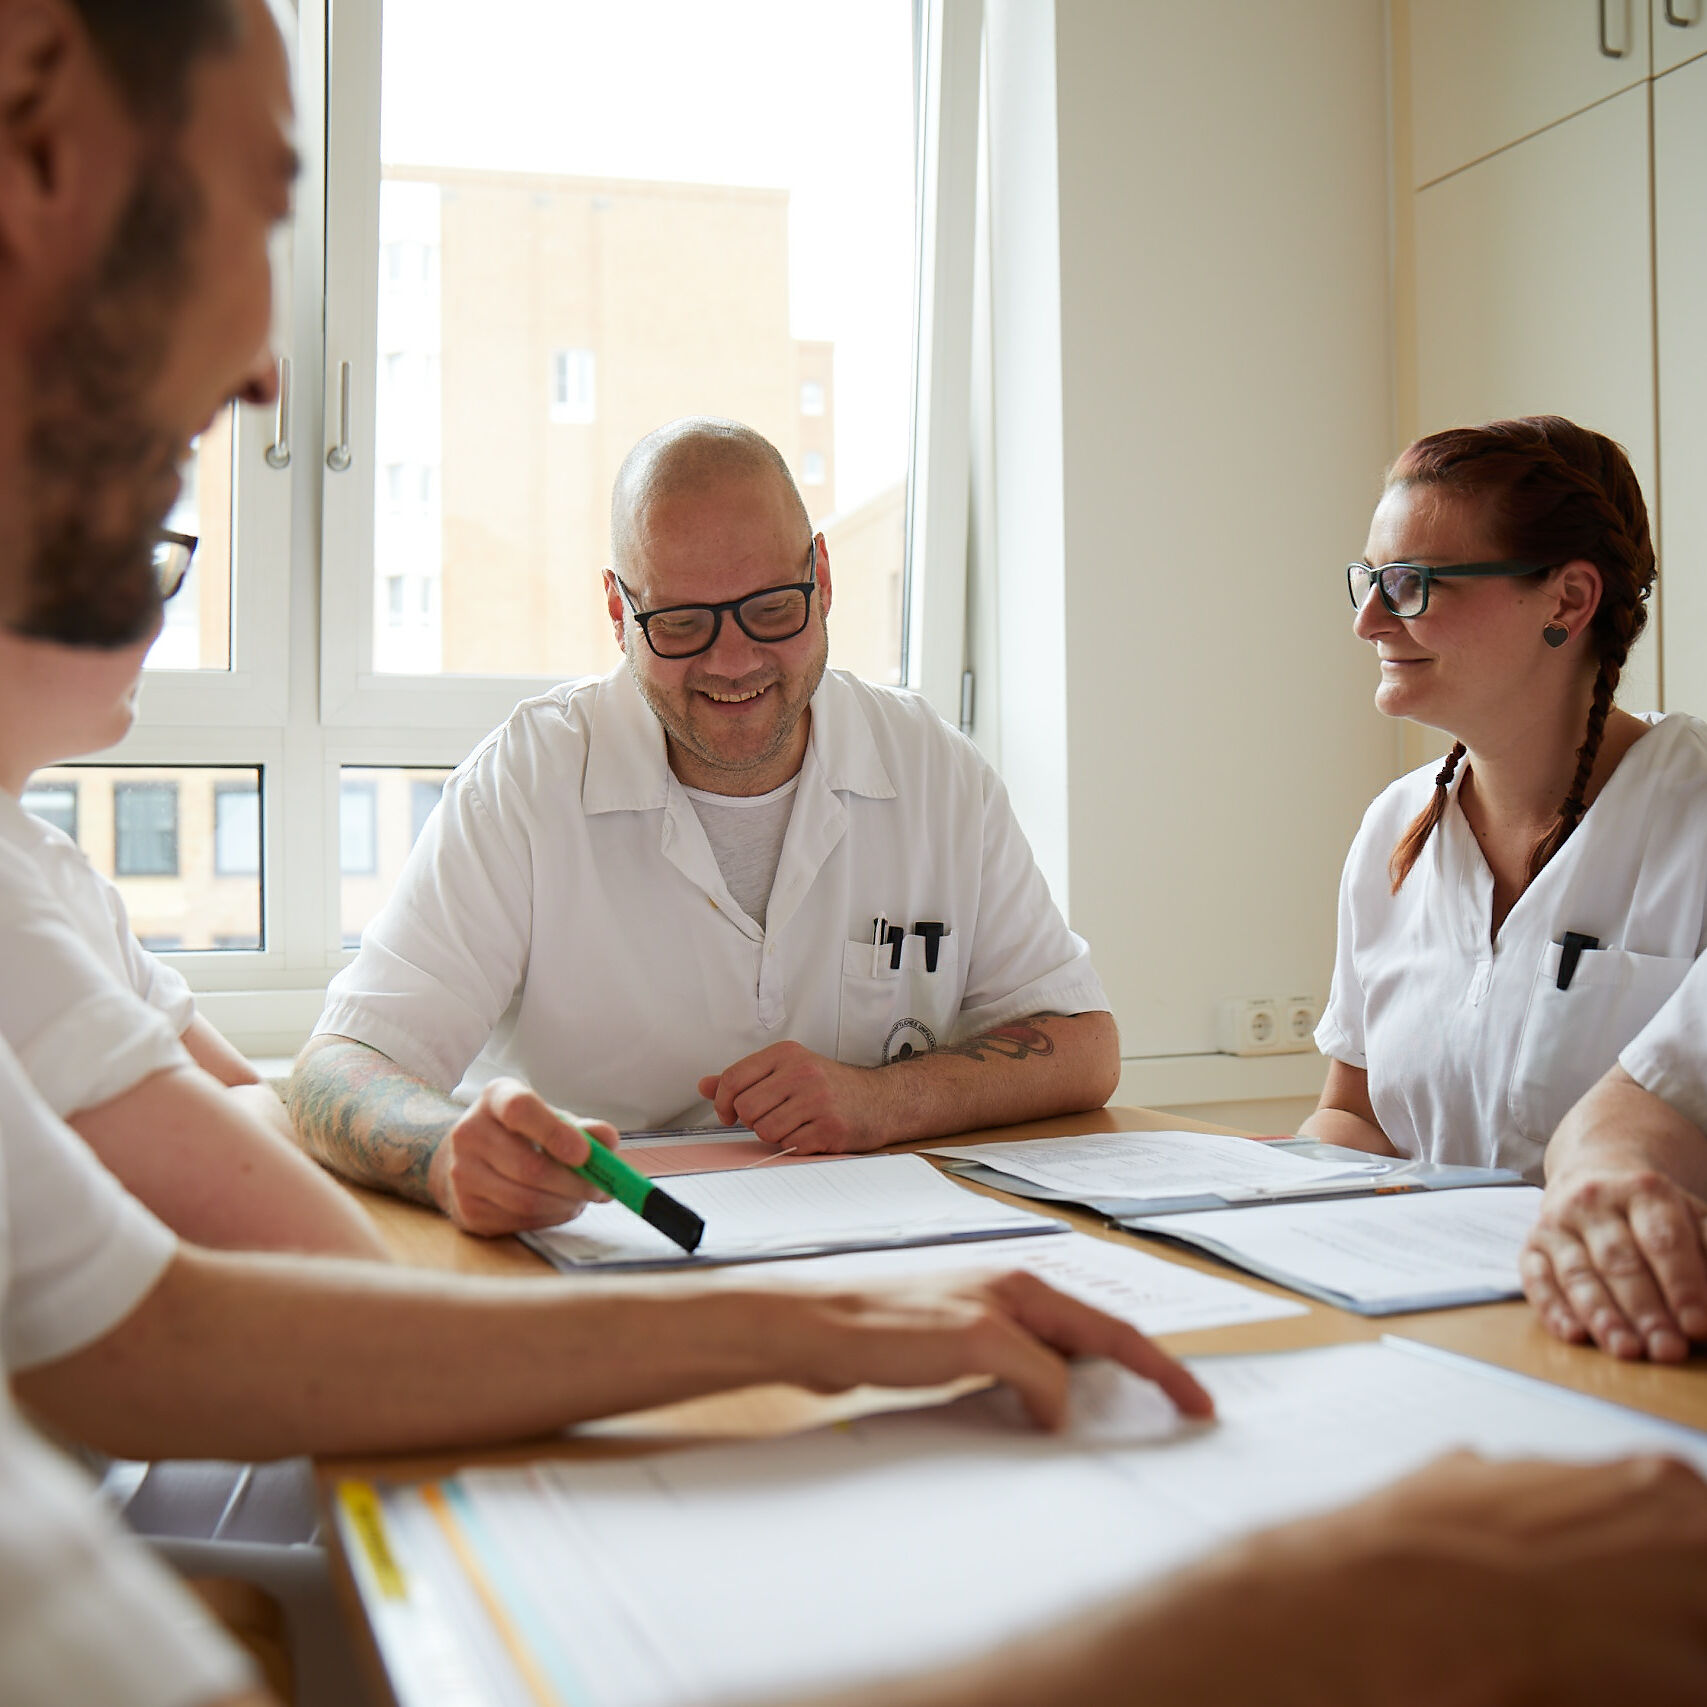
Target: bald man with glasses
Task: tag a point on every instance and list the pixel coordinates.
(722, 884)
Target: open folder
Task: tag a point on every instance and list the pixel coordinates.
(774, 1569)
(1125, 1174)
(862, 1203)
(1375, 1255)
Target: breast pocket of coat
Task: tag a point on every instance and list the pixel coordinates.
(1572, 1036)
(895, 1012)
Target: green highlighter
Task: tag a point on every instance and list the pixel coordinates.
(633, 1190)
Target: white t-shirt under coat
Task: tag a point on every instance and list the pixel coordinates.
(1473, 1052)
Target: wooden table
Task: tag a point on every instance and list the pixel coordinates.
(1506, 1334)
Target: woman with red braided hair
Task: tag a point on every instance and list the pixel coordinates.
(1510, 917)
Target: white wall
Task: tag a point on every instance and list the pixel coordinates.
(1190, 370)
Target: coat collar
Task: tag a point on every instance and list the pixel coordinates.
(628, 768)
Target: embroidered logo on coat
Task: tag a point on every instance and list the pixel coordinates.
(907, 1038)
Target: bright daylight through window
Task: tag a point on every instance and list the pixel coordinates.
(628, 214)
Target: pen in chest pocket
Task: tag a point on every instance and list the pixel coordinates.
(886, 937)
(1571, 947)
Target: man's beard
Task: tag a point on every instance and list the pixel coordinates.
(96, 466)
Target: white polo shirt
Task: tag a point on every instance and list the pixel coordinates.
(87, 1010)
(562, 917)
(1473, 1052)
(1669, 1055)
(85, 1613)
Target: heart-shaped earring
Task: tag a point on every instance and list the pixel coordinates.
(1555, 634)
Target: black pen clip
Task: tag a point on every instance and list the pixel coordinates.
(933, 933)
(1571, 946)
(895, 936)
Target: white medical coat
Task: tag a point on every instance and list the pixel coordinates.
(562, 917)
(1473, 1052)
(1669, 1055)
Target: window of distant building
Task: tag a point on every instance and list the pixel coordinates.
(236, 830)
(811, 397)
(812, 468)
(423, 797)
(358, 829)
(145, 829)
(55, 804)
(573, 398)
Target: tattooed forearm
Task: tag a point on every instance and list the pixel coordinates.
(1016, 1041)
(364, 1117)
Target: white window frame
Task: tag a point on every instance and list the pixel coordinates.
(950, 70)
(301, 700)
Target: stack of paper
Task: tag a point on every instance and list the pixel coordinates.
(769, 1570)
(1155, 1296)
(863, 1203)
(1375, 1255)
(1132, 1173)
(705, 1150)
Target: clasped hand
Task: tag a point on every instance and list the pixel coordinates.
(789, 1095)
(1620, 1256)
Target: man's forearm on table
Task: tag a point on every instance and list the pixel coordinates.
(253, 1357)
(1026, 1069)
(358, 1112)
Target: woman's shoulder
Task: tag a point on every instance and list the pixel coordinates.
(1391, 811)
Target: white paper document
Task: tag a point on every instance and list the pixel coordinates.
(1376, 1255)
(772, 1569)
(1155, 1296)
(1154, 1166)
(868, 1202)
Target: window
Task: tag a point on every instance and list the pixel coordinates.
(515, 241)
(236, 830)
(358, 829)
(197, 825)
(660, 244)
(395, 805)
(145, 829)
(572, 386)
(54, 803)
(423, 797)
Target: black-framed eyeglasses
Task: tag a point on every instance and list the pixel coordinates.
(770, 615)
(1404, 586)
(173, 555)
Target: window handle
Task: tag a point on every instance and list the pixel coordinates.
(1677, 22)
(1607, 49)
(278, 452)
(338, 457)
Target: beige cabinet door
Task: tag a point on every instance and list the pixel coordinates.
(1680, 32)
(1485, 73)
(1534, 294)
(1680, 250)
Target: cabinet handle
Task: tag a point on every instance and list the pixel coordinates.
(1675, 21)
(338, 457)
(278, 452)
(1608, 51)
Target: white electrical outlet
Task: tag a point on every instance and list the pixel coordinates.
(1298, 1017)
(1267, 1025)
(1250, 1025)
